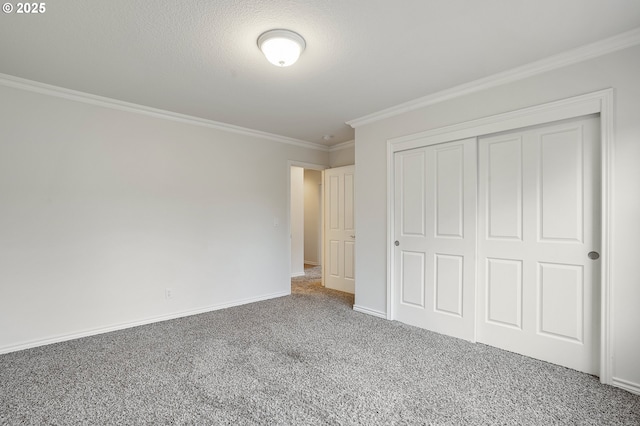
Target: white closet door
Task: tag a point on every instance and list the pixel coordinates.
(340, 231)
(538, 290)
(435, 216)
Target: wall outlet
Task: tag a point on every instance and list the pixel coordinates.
(168, 293)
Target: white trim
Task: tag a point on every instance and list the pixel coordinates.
(297, 274)
(576, 106)
(390, 228)
(151, 320)
(343, 145)
(597, 102)
(590, 51)
(369, 311)
(322, 236)
(309, 262)
(607, 137)
(626, 385)
(87, 98)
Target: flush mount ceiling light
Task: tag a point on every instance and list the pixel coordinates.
(281, 47)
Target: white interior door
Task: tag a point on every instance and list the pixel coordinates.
(435, 217)
(340, 232)
(538, 220)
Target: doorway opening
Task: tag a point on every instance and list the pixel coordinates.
(306, 223)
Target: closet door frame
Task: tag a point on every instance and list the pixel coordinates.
(600, 102)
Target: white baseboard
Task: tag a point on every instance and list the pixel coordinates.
(626, 385)
(369, 311)
(122, 326)
(297, 274)
(309, 262)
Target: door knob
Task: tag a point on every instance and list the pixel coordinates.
(397, 243)
(593, 255)
(353, 236)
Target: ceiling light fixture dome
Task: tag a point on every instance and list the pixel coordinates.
(281, 47)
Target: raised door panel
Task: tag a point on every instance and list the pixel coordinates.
(412, 197)
(349, 259)
(561, 301)
(334, 256)
(349, 224)
(561, 185)
(448, 284)
(504, 292)
(412, 278)
(334, 203)
(504, 189)
(449, 191)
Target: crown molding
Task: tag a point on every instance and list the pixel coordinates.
(343, 145)
(87, 98)
(580, 54)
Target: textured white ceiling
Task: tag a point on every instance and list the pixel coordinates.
(200, 57)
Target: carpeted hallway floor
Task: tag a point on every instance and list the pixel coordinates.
(303, 359)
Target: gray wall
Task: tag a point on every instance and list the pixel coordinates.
(103, 209)
(296, 221)
(312, 216)
(342, 155)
